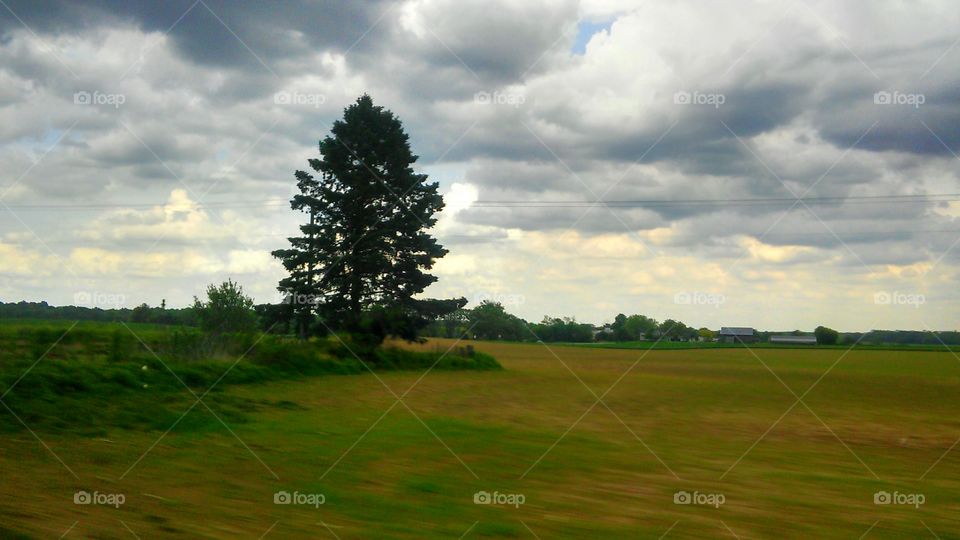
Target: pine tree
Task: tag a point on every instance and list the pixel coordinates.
(363, 251)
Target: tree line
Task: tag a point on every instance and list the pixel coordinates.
(490, 320)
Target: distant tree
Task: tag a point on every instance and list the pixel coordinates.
(672, 330)
(826, 336)
(619, 328)
(140, 314)
(451, 325)
(490, 320)
(707, 334)
(565, 329)
(227, 310)
(640, 327)
(274, 318)
(361, 255)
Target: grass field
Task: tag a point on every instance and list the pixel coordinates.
(708, 421)
(672, 345)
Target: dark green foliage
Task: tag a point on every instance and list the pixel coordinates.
(102, 376)
(671, 330)
(826, 336)
(641, 326)
(227, 310)
(450, 325)
(140, 314)
(275, 318)
(565, 330)
(146, 314)
(364, 249)
(403, 322)
(904, 337)
(490, 320)
(121, 345)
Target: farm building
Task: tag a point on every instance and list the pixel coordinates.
(599, 332)
(733, 334)
(794, 340)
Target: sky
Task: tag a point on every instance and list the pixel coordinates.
(776, 164)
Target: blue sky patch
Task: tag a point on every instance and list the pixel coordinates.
(585, 31)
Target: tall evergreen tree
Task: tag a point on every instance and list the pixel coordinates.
(363, 251)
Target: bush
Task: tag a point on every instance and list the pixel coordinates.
(826, 336)
(227, 310)
(103, 378)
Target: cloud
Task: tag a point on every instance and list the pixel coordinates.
(740, 106)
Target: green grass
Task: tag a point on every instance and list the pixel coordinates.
(707, 420)
(672, 345)
(93, 377)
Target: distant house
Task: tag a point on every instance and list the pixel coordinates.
(794, 340)
(734, 334)
(599, 332)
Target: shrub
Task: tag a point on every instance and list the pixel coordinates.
(227, 310)
(826, 336)
(107, 379)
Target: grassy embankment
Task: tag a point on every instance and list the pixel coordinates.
(91, 377)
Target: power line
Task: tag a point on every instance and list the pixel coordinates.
(845, 235)
(621, 203)
(861, 199)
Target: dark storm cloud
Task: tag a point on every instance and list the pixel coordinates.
(272, 30)
(497, 42)
(555, 144)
